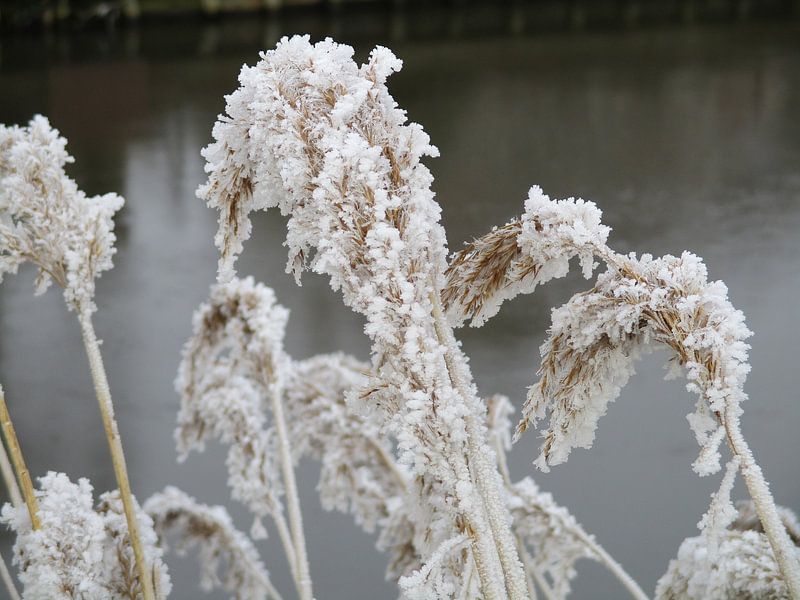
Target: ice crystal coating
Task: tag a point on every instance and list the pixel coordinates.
(550, 533)
(46, 220)
(738, 565)
(596, 337)
(80, 551)
(522, 254)
(219, 544)
(231, 364)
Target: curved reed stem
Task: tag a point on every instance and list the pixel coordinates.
(764, 503)
(19, 462)
(103, 393)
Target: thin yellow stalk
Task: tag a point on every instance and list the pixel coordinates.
(8, 477)
(103, 393)
(19, 462)
(13, 594)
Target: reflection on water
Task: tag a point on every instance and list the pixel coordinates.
(686, 138)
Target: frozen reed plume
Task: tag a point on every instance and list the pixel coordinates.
(80, 551)
(233, 367)
(738, 565)
(219, 544)
(319, 137)
(522, 254)
(596, 337)
(359, 473)
(47, 221)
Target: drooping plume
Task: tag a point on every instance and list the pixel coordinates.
(596, 337)
(230, 365)
(522, 254)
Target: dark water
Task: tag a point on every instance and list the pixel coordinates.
(687, 138)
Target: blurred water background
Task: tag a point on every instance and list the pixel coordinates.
(686, 135)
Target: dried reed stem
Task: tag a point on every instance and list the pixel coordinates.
(302, 570)
(19, 462)
(286, 541)
(103, 393)
(8, 477)
(13, 594)
(485, 475)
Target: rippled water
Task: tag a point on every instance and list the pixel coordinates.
(687, 138)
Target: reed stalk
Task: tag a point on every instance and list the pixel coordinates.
(103, 393)
(8, 477)
(5, 575)
(21, 470)
(301, 569)
(485, 474)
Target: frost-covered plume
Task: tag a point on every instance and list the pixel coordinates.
(522, 254)
(225, 395)
(359, 472)
(596, 337)
(228, 366)
(80, 551)
(46, 220)
(319, 137)
(219, 544)
(231, 383)
(737, 565)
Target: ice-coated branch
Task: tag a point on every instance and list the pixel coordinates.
(218, 542)
(80, 551)
(550, 539)
(319, 137)
(435, 579)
